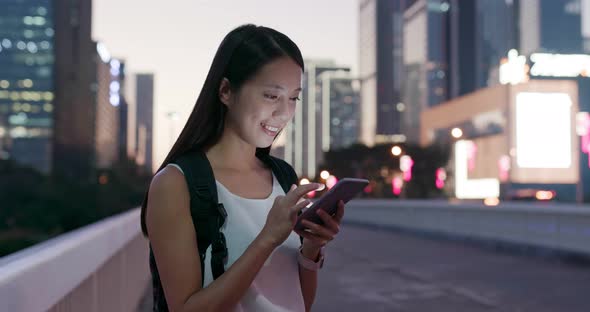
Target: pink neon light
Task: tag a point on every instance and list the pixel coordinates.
(586, 144)
(585, 127)
(406, 164)
(397, 184)
(441, 176)
(331, 181)
(504, 167)
(471, 153)
(408, 176)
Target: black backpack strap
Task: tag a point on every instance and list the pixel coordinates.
(281, 169)
(207, 213)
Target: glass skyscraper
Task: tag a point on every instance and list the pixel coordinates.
(48, 85)
(26, 82)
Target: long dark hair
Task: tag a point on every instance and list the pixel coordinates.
(241, 54)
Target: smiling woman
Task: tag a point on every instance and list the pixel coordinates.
(221, 211)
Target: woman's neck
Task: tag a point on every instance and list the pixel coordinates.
(231, 152)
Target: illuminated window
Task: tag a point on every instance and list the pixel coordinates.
(4, 84)
(36, 96)
(28, 20)
(32, 47)
(18, 132)
(39, 20)
(6, 43)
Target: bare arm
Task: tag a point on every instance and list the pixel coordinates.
(319, 236)
(308, 278)
(174, 244)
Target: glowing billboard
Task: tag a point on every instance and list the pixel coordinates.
(543, 130)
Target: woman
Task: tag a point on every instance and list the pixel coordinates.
(249, 96)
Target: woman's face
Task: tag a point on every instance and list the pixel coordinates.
(265, 104)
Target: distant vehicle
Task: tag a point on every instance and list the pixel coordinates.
(531, 194)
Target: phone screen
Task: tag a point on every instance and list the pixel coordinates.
(344, 190)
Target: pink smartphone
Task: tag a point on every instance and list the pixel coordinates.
(344, 190)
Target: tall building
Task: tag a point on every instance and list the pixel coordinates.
(108, 103)
(125, 119)
(340, 106)
(551, 26)
(380, 71)
(303, 148)
(129, 93)
(480, 34)
(45, 85)
(27, 55)
(426, 62)
(145, 120)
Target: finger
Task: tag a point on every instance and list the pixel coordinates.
(340, 212)
(317, 240)
(319, 230)
(329, 221)
(294, 195)
(299, 206)
(306, 234)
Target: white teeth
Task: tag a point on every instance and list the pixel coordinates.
(273, 129)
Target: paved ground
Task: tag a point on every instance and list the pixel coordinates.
(381, 270)
(375, 270)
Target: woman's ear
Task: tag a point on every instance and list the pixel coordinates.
(225, 92)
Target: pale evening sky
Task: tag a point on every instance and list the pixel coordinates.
(176, 40)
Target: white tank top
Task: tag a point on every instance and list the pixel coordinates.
(276, 286)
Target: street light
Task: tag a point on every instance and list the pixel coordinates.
(325, 174)
(457, 133)
(396, 150)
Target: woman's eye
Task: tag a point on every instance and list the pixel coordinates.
(271, 96)
(295, 99)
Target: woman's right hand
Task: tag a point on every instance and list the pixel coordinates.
(282, 216)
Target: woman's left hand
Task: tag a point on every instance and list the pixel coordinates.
(320, 235)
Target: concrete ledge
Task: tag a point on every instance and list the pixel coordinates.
(84, 262)
(554, 227)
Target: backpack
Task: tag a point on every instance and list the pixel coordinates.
(209, 215)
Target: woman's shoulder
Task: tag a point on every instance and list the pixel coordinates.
(168, 183)
(168, 201)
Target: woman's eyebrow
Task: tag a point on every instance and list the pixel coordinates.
(275, 86)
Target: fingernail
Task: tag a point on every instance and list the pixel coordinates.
(320, 187)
